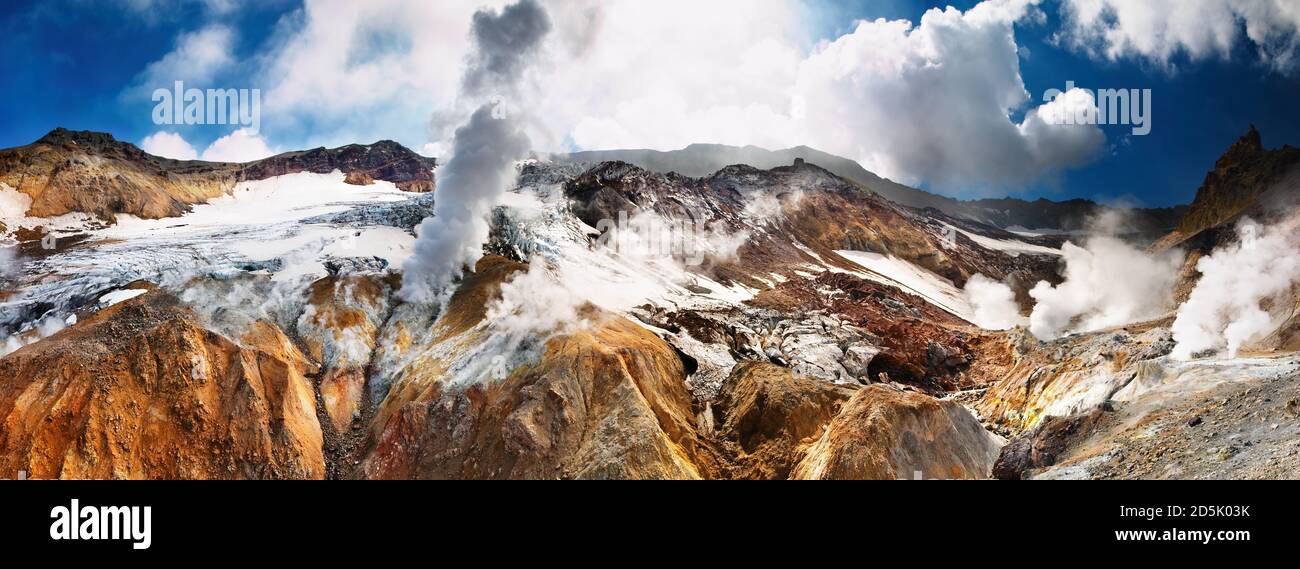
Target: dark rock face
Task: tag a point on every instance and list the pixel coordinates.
(1042, 446)
(384, 160)
(1239, 180)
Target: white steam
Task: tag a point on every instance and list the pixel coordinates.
(469, 186)
(533, 308)
(1107, 283)
(484, 151)
(534, 303)
(768, 206)
(10, 266)
(646, 236)
(1225, 309)
(41, 329)
(993, 304)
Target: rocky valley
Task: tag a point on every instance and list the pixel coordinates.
(188, 319)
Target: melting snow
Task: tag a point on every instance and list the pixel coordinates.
(119, 296)
(911, 278)
(1011, 247)
(272, 220)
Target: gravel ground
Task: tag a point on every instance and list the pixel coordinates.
(1237, 430)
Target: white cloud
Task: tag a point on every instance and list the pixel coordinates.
(929, 102)
(239, 146)
(1053, 140)
(918, 103)
(1160, 30)
(932, 102)
(198, 57)
(168, 145)
(348, 71)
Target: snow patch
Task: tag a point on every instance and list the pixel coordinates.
(890, 270)
(117, 296)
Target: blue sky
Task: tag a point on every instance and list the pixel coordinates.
(78, 64)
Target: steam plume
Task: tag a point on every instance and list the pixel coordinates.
(484, 150)
(994, 303)
(1108, 283)
(1225, 309)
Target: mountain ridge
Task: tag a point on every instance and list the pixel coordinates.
(701, 159)
(91, 172)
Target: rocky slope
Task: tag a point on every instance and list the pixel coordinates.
(353, 383)
(801, 326)
(699, 160)
(142, 390)
(1117, 404)
(93, 173)
(1247, 180)
(89, 172)
(384, 160)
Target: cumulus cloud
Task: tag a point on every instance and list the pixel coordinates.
(168, 145)
(1160, 31)
(993, 303)
(1056, 137)
(239, 146)
(926, 102)
(1226, 309)
(921, 103)
(931, 102)
(385, 60)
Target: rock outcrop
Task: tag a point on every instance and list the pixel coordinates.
(142, 390)
(384, 160)
(1241, 179)
(772, 416)
(91, 172)
(606, 401)
(340, 329)
(889, 433)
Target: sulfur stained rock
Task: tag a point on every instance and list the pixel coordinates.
(884, 433)
(340, 329)
(773, 415)
(606, 401)
(140, 390)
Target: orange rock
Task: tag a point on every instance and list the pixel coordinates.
(141, 390)
(885, 433)
(608, 401)
(774, 416)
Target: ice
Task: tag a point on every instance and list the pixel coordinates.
(289, 225)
